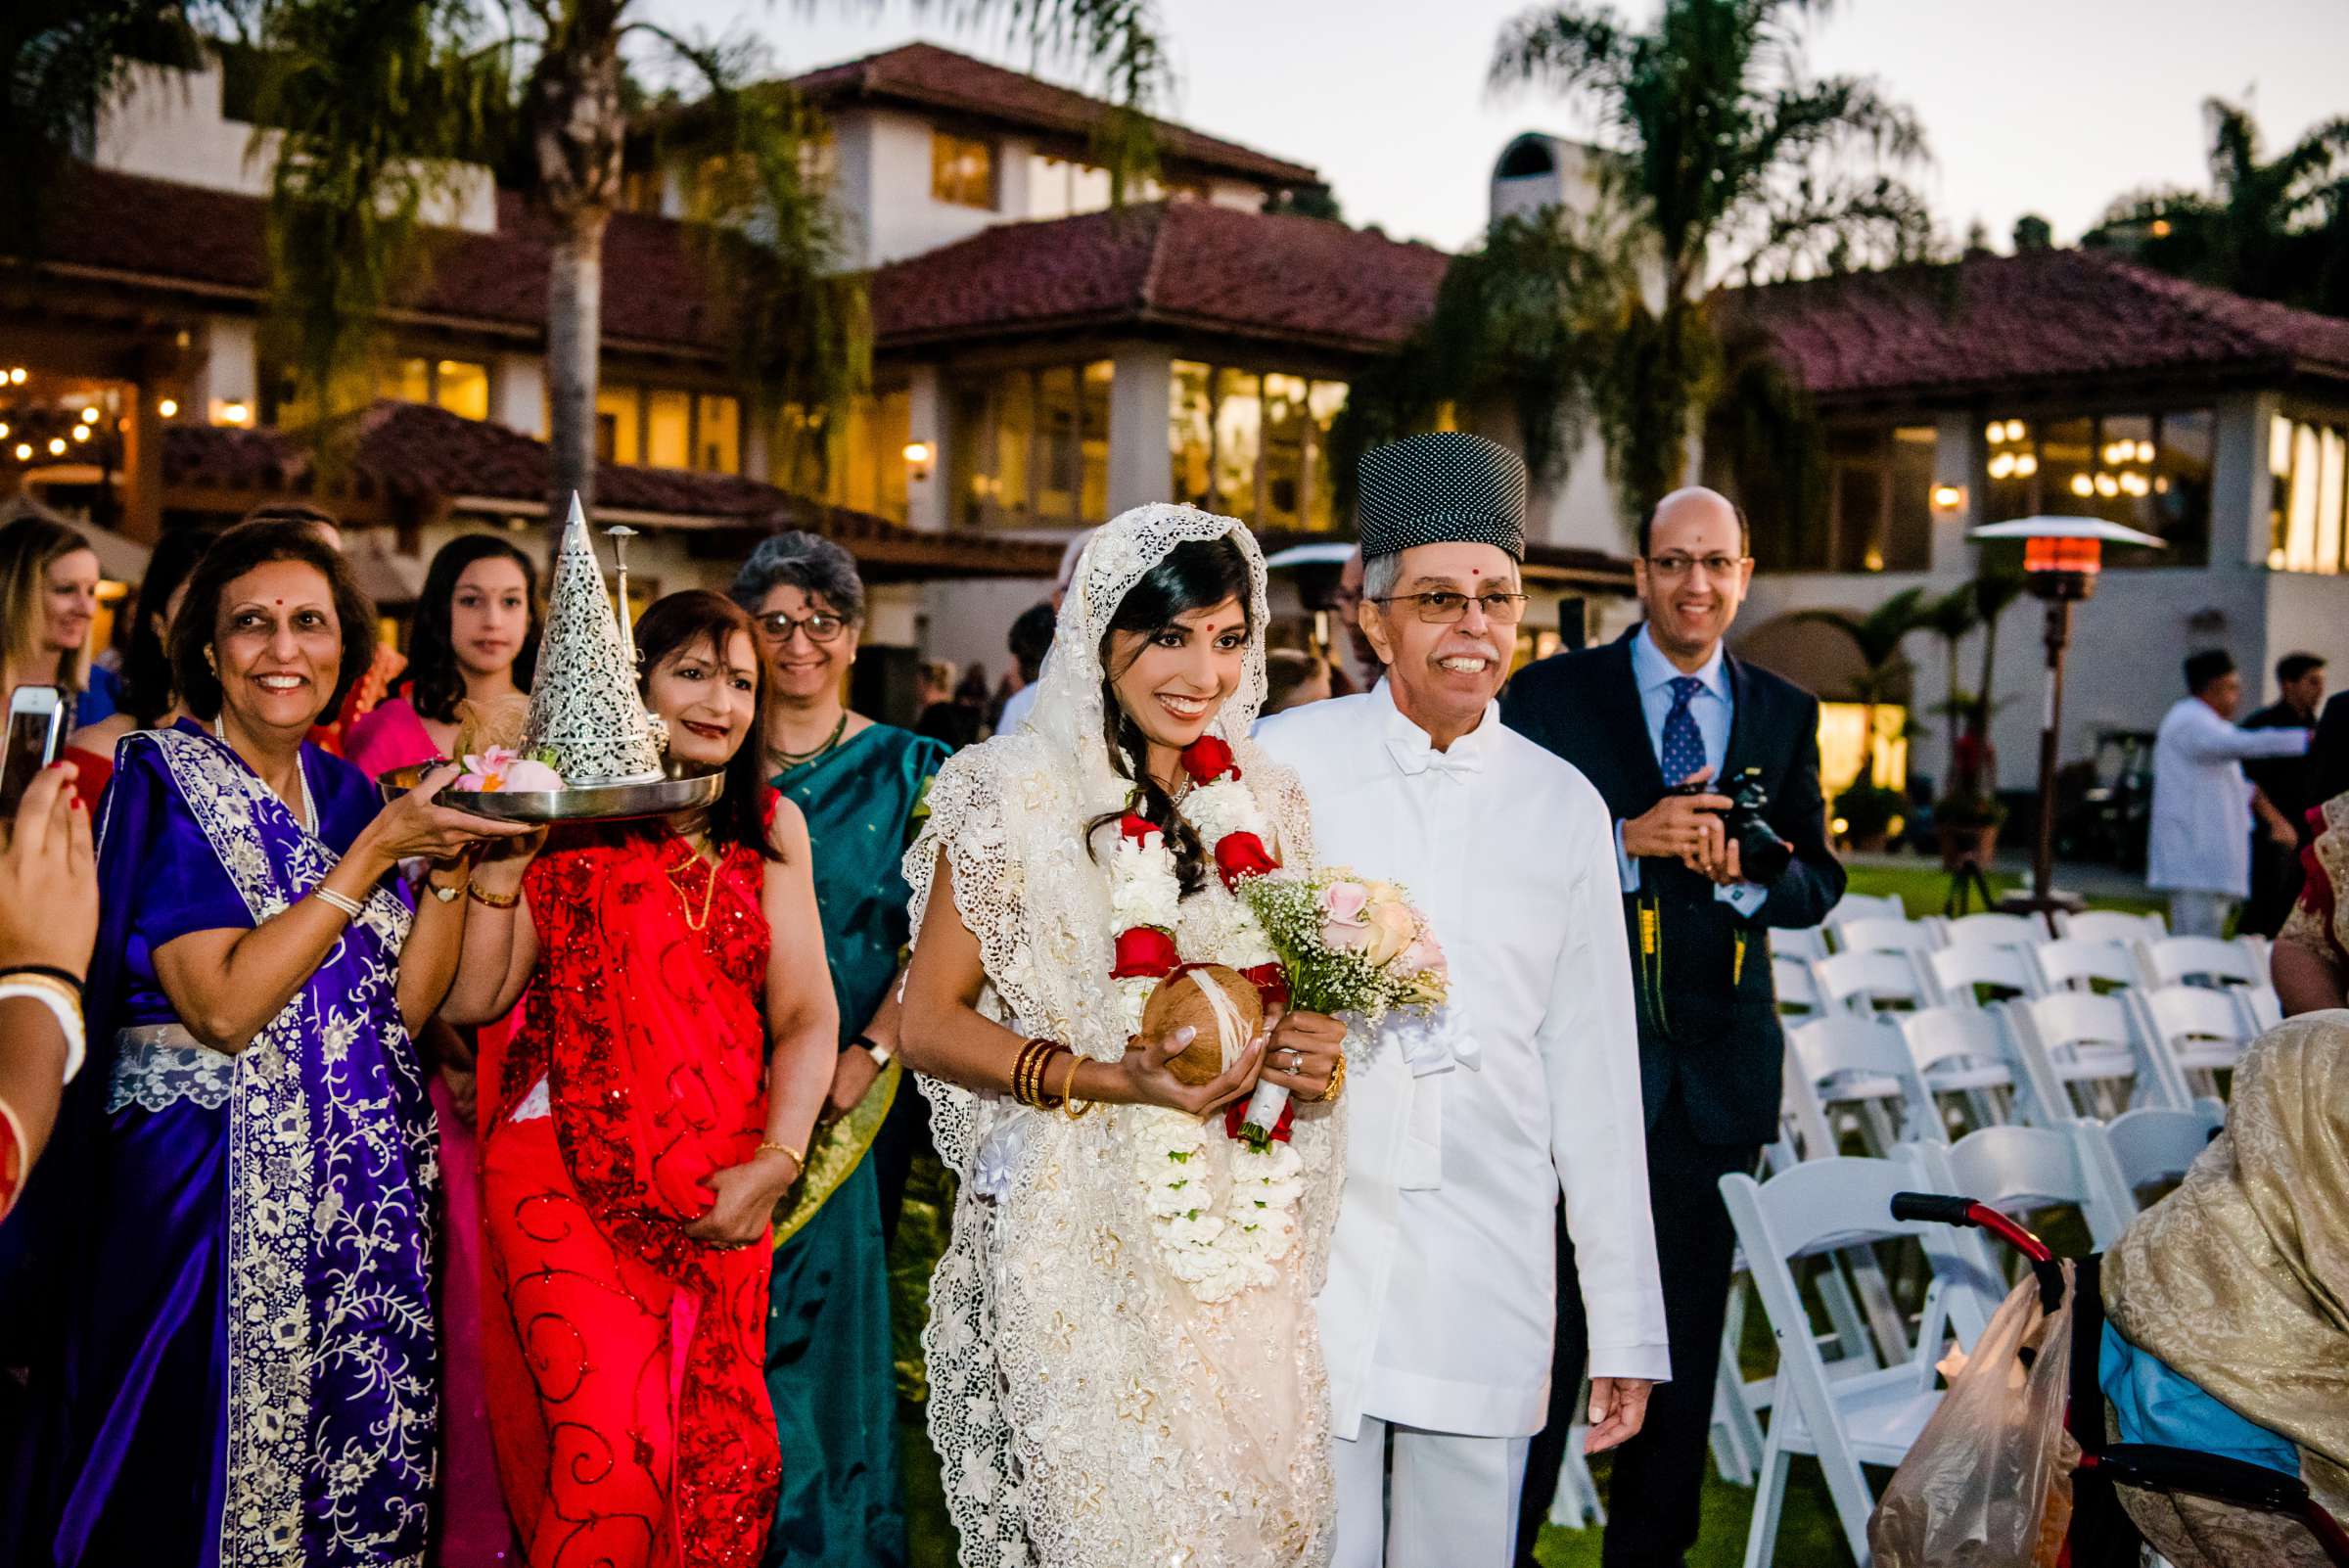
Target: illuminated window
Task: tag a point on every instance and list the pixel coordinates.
(617, 438)
(669, 429)
(1031, 447)
(1058, 187)
(1255, 446)
(718, 434)
(2150, 472)
(459, 386)
(1843, 732)
(962, 170)
(2307, 530)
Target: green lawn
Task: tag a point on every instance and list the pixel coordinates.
(1808, 1535)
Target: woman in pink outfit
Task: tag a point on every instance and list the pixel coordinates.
(475, 640)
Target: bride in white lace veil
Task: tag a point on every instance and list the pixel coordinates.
(1090, 1407)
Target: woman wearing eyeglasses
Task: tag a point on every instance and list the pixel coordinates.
(830, 1369)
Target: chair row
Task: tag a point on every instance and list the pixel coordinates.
(1868, 1406)
(2036, 1061)
(1992, 929)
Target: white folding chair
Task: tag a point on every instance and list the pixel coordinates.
(2090, 1055)
(1863, 1063)
(1887, 935)
(2144, 1153)
(2016, 1171)
(2203, 1031)
(1993, 930)
(2267, 1008)
(1869, 1418)
(1797, 988)
(1575, 1500)
(1862, 906)
(1867, 982)
(2184, 960)
(1959, 974)
(2081, 963)
(1963, 1052)
(2111, 925)
(1801, 941)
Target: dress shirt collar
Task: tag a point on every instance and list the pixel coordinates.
(1413, 751)
(1650, 669)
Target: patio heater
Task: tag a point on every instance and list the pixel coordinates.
(2062, 557)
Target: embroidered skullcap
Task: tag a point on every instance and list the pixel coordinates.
(1439, 487)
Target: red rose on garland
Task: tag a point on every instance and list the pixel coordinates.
(1207, 759)
(1144, 951)
(1239, 855)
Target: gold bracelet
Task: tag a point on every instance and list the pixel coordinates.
(493, 900)
(1028, 1078)
(1069, 1103)
(798, 1157)
(1019, 1071)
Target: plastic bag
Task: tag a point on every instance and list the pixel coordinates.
(1987, 1483)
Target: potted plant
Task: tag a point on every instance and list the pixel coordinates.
(1867, 815)
(1965, 824)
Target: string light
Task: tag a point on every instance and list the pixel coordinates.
(169, 407)
(57, 446)
(23, 451)
(82, 432)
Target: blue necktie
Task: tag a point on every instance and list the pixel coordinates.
(1683, 744)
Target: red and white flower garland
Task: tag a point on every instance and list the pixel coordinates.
(1218, 1246)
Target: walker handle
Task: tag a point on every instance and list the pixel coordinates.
(1933, 1208)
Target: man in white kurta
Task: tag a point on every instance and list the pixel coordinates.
(2200, 850)
(1439, 1310)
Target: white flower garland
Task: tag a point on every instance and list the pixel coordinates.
(1218, 1246)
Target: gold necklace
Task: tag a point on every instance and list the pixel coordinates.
(685, 900)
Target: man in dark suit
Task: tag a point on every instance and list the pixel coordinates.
(2287, 788)
(1665, 706)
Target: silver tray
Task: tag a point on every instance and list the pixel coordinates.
(593, 803)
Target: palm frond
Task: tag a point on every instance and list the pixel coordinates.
(1570, 50)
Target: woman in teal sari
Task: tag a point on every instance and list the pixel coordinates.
(829, 1365)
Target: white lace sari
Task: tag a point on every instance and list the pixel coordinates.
(1089, 1411)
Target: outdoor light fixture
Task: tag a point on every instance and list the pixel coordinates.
(89, 416)
(234, 412)
(82, 432)
(57, 446)
(1949, 497)
(16, 375)
(2062, 558)
(169, 407)
(3, 429)
(23, 452)
(917, 458)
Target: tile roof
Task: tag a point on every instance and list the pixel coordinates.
(1183, 263)
(931, 77)
(422, 457)
(2043, 319)
(128, 226)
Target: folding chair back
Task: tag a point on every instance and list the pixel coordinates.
(1864, 1062)
(1993, 929)
(2111, 925)
(1798, 988)
(1862, 906)
(2144, 1153)
(2179, 961)
(2017, 1170)
(1964, 1051)
(2203, 1031)
(2078, 963)
(1887, 935)
(1801, 941)
(1960, 974)
(2092, 1046)
(1868, 983)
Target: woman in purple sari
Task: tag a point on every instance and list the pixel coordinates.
(247, 1370)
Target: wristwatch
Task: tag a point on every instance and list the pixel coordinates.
(879, 1053)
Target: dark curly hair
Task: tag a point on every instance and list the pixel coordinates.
(434, 682)
(689, 620)
(148, 686)
(1196, 575)
(242, 549)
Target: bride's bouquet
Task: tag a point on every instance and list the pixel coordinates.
(1347, 945)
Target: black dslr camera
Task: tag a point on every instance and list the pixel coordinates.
(1762, 856)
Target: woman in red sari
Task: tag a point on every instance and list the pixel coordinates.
(678, 1039)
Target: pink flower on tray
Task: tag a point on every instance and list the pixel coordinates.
(500, 767)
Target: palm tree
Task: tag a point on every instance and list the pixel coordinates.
(1719, 140)
(2274, 228)
(372, 95)
(1877, 636)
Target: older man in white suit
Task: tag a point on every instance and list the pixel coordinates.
(1439, 1310)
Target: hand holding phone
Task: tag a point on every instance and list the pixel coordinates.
(37, 732)
(49, 879)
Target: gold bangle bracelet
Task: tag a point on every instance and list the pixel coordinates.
(1069, 1104)
(493, 900)
(798, 1157)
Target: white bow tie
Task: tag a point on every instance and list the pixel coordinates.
(1416, 756)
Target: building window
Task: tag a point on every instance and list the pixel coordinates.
(459, 386)
(618, 438)
(665, 427)
(2307, 530)
(1879, 500)
(857, 461)
(669, 429)
(1058, 187)
(718, 434)
(1030, 446)
(962, 170)
(2150, 472)
(1253, 446)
